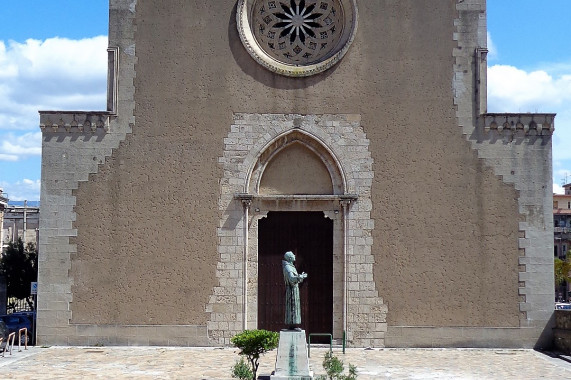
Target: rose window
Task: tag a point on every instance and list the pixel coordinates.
(287, 36)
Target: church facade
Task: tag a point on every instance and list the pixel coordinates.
(353, 133)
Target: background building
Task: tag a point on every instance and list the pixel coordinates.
(562, 233)
(21, 222)
(3, 205)
(238, 130)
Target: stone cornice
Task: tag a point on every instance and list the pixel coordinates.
(296, 197)
(538, 124)
(74, 121)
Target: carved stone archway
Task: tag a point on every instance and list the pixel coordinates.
(339, 143)
(287, 139)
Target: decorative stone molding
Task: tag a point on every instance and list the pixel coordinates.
(297, 37)
(342, 199)
(531, 124)
(340, 142)
(325, 154)
(74, 121)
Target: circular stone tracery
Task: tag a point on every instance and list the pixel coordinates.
(297, 37)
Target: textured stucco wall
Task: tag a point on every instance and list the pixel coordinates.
(68, 158)
(133, 249)
(445, 224)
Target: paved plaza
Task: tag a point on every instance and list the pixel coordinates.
(215, 363)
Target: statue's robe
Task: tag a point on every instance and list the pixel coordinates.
(292, 280)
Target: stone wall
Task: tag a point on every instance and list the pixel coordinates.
(446, 237)
(518, 149)
(74, 145)
(339, 140)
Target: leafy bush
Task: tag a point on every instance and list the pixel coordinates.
(562, 270)
(241, 370)
(252, 344)
(19, 265)
(334, 369)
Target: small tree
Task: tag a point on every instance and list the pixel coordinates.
(252, 344)
(19, 265)
(562, 270)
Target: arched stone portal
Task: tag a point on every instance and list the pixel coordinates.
(297, 163)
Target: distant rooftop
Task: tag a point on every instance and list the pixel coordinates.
(21, 203)
(3, 197)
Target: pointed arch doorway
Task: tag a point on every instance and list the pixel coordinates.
(309, 235)
(296, 163)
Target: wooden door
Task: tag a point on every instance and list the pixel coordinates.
(309, 235)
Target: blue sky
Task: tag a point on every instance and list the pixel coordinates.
(530, 45)
(53, 56)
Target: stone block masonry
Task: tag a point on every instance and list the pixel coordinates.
(518, 149)
(251, 137)
(74, 145)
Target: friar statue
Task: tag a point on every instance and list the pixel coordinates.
(292, 280)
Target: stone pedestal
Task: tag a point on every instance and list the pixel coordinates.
(292, 362)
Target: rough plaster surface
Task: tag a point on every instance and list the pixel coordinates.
(453, 236)
(518, 148)
(70, 155)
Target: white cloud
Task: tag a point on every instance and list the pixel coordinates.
(55, 74)
(514, 90)
(8, 157)
(492, 50)
(511, 89)
(556, 68)
(16, 147)
(25, 189)
(558, 189)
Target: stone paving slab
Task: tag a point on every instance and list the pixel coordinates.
(215, 363)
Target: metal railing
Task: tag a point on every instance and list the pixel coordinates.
(8, 347)
(25, 330)
(319, 334)
(330, 342)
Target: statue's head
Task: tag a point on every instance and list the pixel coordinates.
(289, 256)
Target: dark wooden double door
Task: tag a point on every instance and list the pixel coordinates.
(309, 235)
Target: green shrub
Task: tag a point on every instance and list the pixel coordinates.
(334, 369)
(241, 370)
(252, 344)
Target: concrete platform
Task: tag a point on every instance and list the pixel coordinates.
(214, 363)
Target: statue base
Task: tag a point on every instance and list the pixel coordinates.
(292, 362)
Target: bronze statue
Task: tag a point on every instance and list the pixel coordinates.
(292, 280)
